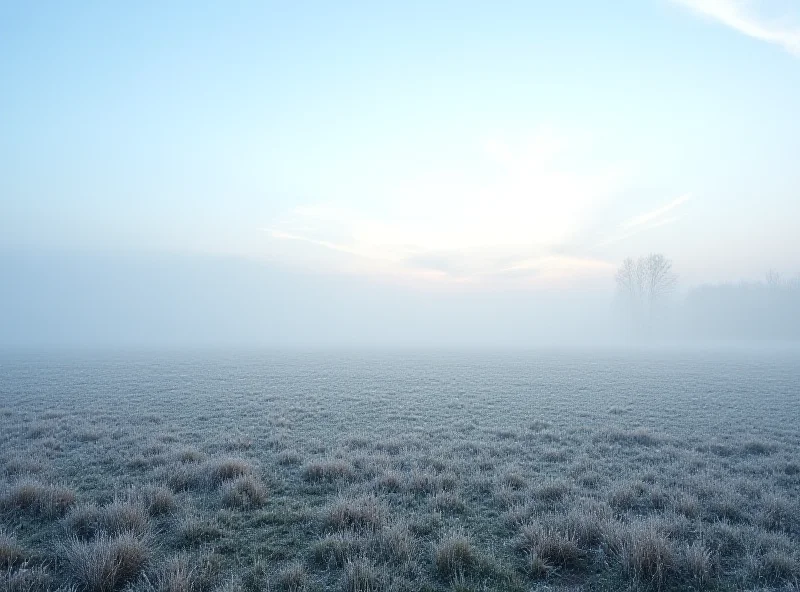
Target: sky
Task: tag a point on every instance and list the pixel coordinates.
(452, 147)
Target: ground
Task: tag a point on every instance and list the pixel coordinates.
(557, 470)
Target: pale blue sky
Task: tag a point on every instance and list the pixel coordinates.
(434, 143)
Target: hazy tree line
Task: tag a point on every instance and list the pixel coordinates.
(650, 307)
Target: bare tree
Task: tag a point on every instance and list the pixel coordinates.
(659, 278)
(630, 285)
(773, 279)
(644, 283)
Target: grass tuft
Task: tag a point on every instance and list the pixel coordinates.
(10, 552)
(551, 546)
(219, 471)
(244, 493)
(118, 517)
(360, 575)
(194, 530)
(27, 579)
(336, 549)
(293, 578)
(647, 556)
(180, 574)
(160, 501)
(38, 499)
(363, 513)
(455, 554)
(105, 564)
(328, 471)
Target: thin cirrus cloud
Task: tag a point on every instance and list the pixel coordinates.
(772, 21)
(656, 214)
(516, 217)
(661, 216)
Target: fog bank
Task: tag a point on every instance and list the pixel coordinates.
(82, 300)
(153, 300)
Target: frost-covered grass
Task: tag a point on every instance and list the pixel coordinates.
(408, 471)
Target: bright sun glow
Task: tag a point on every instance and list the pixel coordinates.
(516, 216)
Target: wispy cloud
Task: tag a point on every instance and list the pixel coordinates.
(642, 219)
(773, 21)
(320, 243)
(646, 221)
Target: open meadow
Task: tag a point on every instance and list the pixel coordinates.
(550, 470)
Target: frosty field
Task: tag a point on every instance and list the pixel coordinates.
(406, 470)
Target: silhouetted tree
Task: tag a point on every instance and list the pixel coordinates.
(643, 284)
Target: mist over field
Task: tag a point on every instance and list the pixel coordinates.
(94, 300)
(171, 300)
(400, 296)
